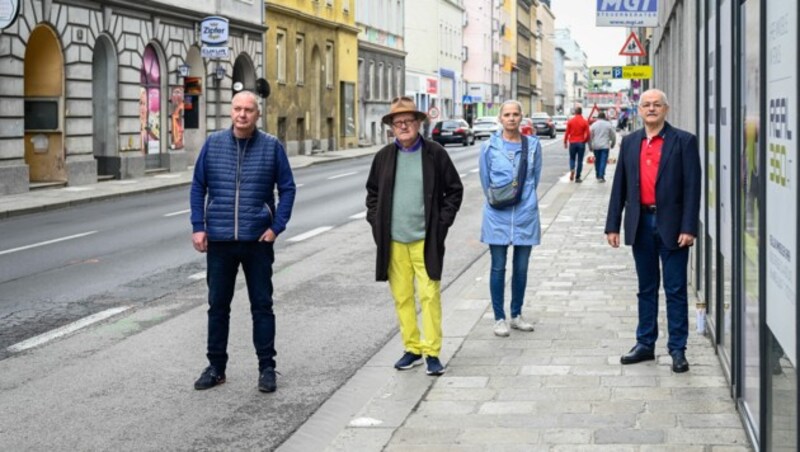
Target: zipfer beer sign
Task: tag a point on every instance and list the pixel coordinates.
(214, 30)
(627, 13)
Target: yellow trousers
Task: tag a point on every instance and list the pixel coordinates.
(407, 264)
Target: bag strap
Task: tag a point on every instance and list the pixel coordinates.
(522, 171)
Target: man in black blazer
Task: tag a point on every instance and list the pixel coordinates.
(657, 184)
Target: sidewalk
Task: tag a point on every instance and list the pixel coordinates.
(47, 199)
(560, 388)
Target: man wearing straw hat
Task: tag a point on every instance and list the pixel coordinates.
(413, 195)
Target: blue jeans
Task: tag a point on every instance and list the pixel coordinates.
(576, 151)
(223, 260)
(600, 159)
(647, 250)
(519, 278)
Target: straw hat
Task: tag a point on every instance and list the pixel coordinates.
(403, 104)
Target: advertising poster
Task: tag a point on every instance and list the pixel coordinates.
(150, 102)
(176, 117)
(781, 246)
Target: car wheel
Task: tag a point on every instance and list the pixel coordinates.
(473, 139)
(466, 140)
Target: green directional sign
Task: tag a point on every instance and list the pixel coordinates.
(620, 72)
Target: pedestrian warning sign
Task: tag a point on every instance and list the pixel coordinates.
(632, 47)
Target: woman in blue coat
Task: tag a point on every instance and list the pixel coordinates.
(516, 225)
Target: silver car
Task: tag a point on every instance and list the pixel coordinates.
(561, 123)
(485, 126)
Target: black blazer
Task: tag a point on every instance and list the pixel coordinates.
(442, 189)
(677, 187)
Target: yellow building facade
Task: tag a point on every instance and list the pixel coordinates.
(312, 67)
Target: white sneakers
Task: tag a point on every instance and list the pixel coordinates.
(519, 323)
(501, 329)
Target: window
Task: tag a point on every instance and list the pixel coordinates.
(398, 80)
(370, 80)
(381, 86)
(299, 59)
(329, 65)
(389, 85)
(348, 109)
(280, 56)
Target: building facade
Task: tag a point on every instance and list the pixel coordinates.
(524, 55)
(381, 64)
(546, 18)
(576, 70)
(93, 90)
(730, 69)
(481, 46)
(313, 48)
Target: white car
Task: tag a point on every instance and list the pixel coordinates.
(485, 126)
(561, 123)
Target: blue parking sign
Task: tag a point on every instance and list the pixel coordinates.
(617, 71)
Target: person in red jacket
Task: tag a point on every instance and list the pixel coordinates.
(575, 139)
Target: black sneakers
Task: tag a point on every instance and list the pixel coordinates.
(266, 381)
(209, 378)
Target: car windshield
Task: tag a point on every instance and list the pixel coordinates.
(451, 125)
(559, 118)
(483, 119)
(486, 121)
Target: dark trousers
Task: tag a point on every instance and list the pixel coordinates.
(223, 260)
(600, 159)
(576, 151)
(648, 249)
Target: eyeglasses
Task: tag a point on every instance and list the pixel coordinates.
(647, 105)
(403, 123)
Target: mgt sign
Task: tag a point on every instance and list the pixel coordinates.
(627, 13)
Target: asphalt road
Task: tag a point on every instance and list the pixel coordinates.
(332, 316)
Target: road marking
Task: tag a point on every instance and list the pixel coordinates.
(180, 212)
(462, 175)
(198, 276)
(311, 233)
(48, 242)
(342, 175)
(475, 170)
(298, 185)
(66, 329)
(359, 215)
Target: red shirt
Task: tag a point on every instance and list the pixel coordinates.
(577, 130)
(649, 158)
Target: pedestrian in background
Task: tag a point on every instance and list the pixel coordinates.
(575, 138)
(413, 194)
(657, 184)
(235, 222)
(500, 161)
(603, 138)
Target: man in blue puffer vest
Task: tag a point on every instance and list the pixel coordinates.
(235, 221)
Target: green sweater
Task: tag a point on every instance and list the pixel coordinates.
(408, 205)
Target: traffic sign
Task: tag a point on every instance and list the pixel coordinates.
(632, 47)
(433, 112)
(620, 72)
(611, 113)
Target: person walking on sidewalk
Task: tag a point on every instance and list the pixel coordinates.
(575, 138)
(500, 161)
(657, 184)
(603, 138)
(413, 194)
(235, 222)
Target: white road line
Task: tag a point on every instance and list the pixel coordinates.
(462, 175)
(342, 175)
(66, 329)
(198, 276)
(298, 185)
(311, 233)
(475, 170)
(48, 242)
(180, 212)
(359, 215)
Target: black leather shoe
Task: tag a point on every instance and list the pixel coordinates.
(266, 380)
(637, 354)
(679, 363)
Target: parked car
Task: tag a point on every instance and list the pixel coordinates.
(543, 124)
(485, 126)
(561, 123)
(453, 131)
(526, 127)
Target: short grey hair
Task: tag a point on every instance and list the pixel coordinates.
(517, 103)
(656, 91)
(252, 95)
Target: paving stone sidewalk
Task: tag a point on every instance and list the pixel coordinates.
(562, 388)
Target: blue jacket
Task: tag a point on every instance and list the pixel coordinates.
(232, 195)
(677, 187)
(518, 224)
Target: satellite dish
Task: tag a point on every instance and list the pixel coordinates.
(238, 86)
(262, 88)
